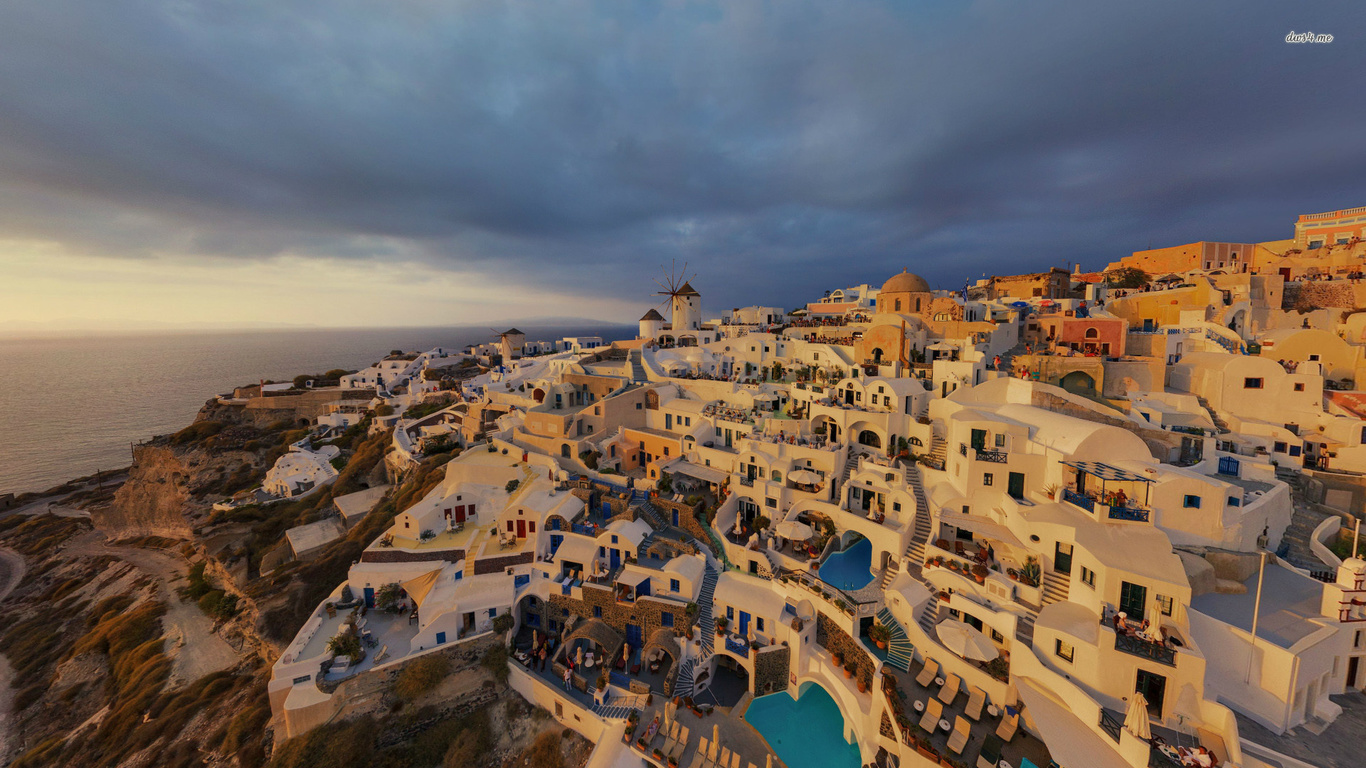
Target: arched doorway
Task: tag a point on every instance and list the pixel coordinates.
(877, 355)
(538, 395)
(869, 438)
(1079, 383)
(564, 450)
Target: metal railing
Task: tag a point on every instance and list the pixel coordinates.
(1073, 497)
(1145, 649)
(995, 457)
(1134, 514)
(737, 646)
(1159, 759)
(748, 482)
(1110, 724)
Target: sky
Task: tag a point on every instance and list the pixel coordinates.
(419, 162)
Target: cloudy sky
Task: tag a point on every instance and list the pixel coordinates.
(420, 162)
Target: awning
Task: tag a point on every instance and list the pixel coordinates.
(706, 474)
(1071, 743)
(418, 588)
(988, 528)
(1106, 472)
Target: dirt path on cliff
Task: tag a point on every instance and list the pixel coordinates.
(195, 649)
(12, 569)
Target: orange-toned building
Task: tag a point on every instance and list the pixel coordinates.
(1230, 257)
(1315, 230)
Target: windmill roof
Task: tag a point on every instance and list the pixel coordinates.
(688, 290)
(652, 315)
(512, 332)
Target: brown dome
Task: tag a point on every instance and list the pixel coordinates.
(906, 283)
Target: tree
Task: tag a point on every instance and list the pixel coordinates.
(421, 676)
(386, 598)
(345, 644)
(512, 485)
(336, 373)
(1127, 277)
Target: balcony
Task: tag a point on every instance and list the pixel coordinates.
(1079, 500)
(995, 457)
(748, 482)
(1145, 649)
(1131, 514)
(737, 646)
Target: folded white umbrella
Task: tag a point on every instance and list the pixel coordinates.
(966, 641)
(1136, 719)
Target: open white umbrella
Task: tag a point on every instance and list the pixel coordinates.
(1136, 718)
(794, 529)
(966, 641)
(803, 476)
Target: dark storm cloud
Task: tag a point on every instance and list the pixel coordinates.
(781, 148)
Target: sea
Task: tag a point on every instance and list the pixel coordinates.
(72, 405)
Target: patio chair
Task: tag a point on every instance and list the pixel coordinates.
(950, 690)
(735, 760)
(990, 754)
(933, 711)
(1009, 724)
(962, 731)
(976, 701)
(699, 759)
(680, 746)
(713, 754)
(724, 760)
(382, 655)
(928, 673)
(671, 739)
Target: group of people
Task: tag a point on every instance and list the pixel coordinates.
(1290, 366)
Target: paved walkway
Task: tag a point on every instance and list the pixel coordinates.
(1339, 746)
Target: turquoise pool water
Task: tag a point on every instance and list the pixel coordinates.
(807, 732)
(848, 570)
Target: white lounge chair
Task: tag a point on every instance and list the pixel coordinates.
(933, 711)
(976, 701)
(699, 759)
(680, 746)
(1009, 724)
(962, 730)
(950, 690)
(928, 673)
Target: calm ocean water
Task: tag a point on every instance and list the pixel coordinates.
(71, 406)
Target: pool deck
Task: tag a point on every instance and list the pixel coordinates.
(734, 733)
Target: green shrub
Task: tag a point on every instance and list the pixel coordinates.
(197, 431)
(421, 676)
(496, 661)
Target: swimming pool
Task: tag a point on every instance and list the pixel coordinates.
(848, 570)
(807, 732)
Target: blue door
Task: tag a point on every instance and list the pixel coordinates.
(556, 539)
(675, 518)
(606, 510)
(369, 597)
(1228, 466)
(440, 638)
(615, 558)
(744, 624)
(634, 636)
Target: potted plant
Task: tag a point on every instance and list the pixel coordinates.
(755, 645)
(1030, 573)
(848, 670)
(880, 635)
(837, 658)
(1051, 491)
(979, 572)
(862, 686)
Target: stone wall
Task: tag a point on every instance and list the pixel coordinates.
(835, 640)
(771, 668)
(499, 564)
(411, 556)
(1308, 296)
(689, 517)
(644, 613)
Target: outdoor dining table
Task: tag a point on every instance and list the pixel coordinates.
(944, 725)
(919, 706)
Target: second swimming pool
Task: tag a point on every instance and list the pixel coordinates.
(848, 570)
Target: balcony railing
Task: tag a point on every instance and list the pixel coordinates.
(1110, 724)
(748, 482)
(1134, 514)
(1078, 499)
(995, 457)
(1145, 649)
(1159, 759)
(737, 646)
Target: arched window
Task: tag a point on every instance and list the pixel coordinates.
(777, 476)
(1092, 333)
(898, 305)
